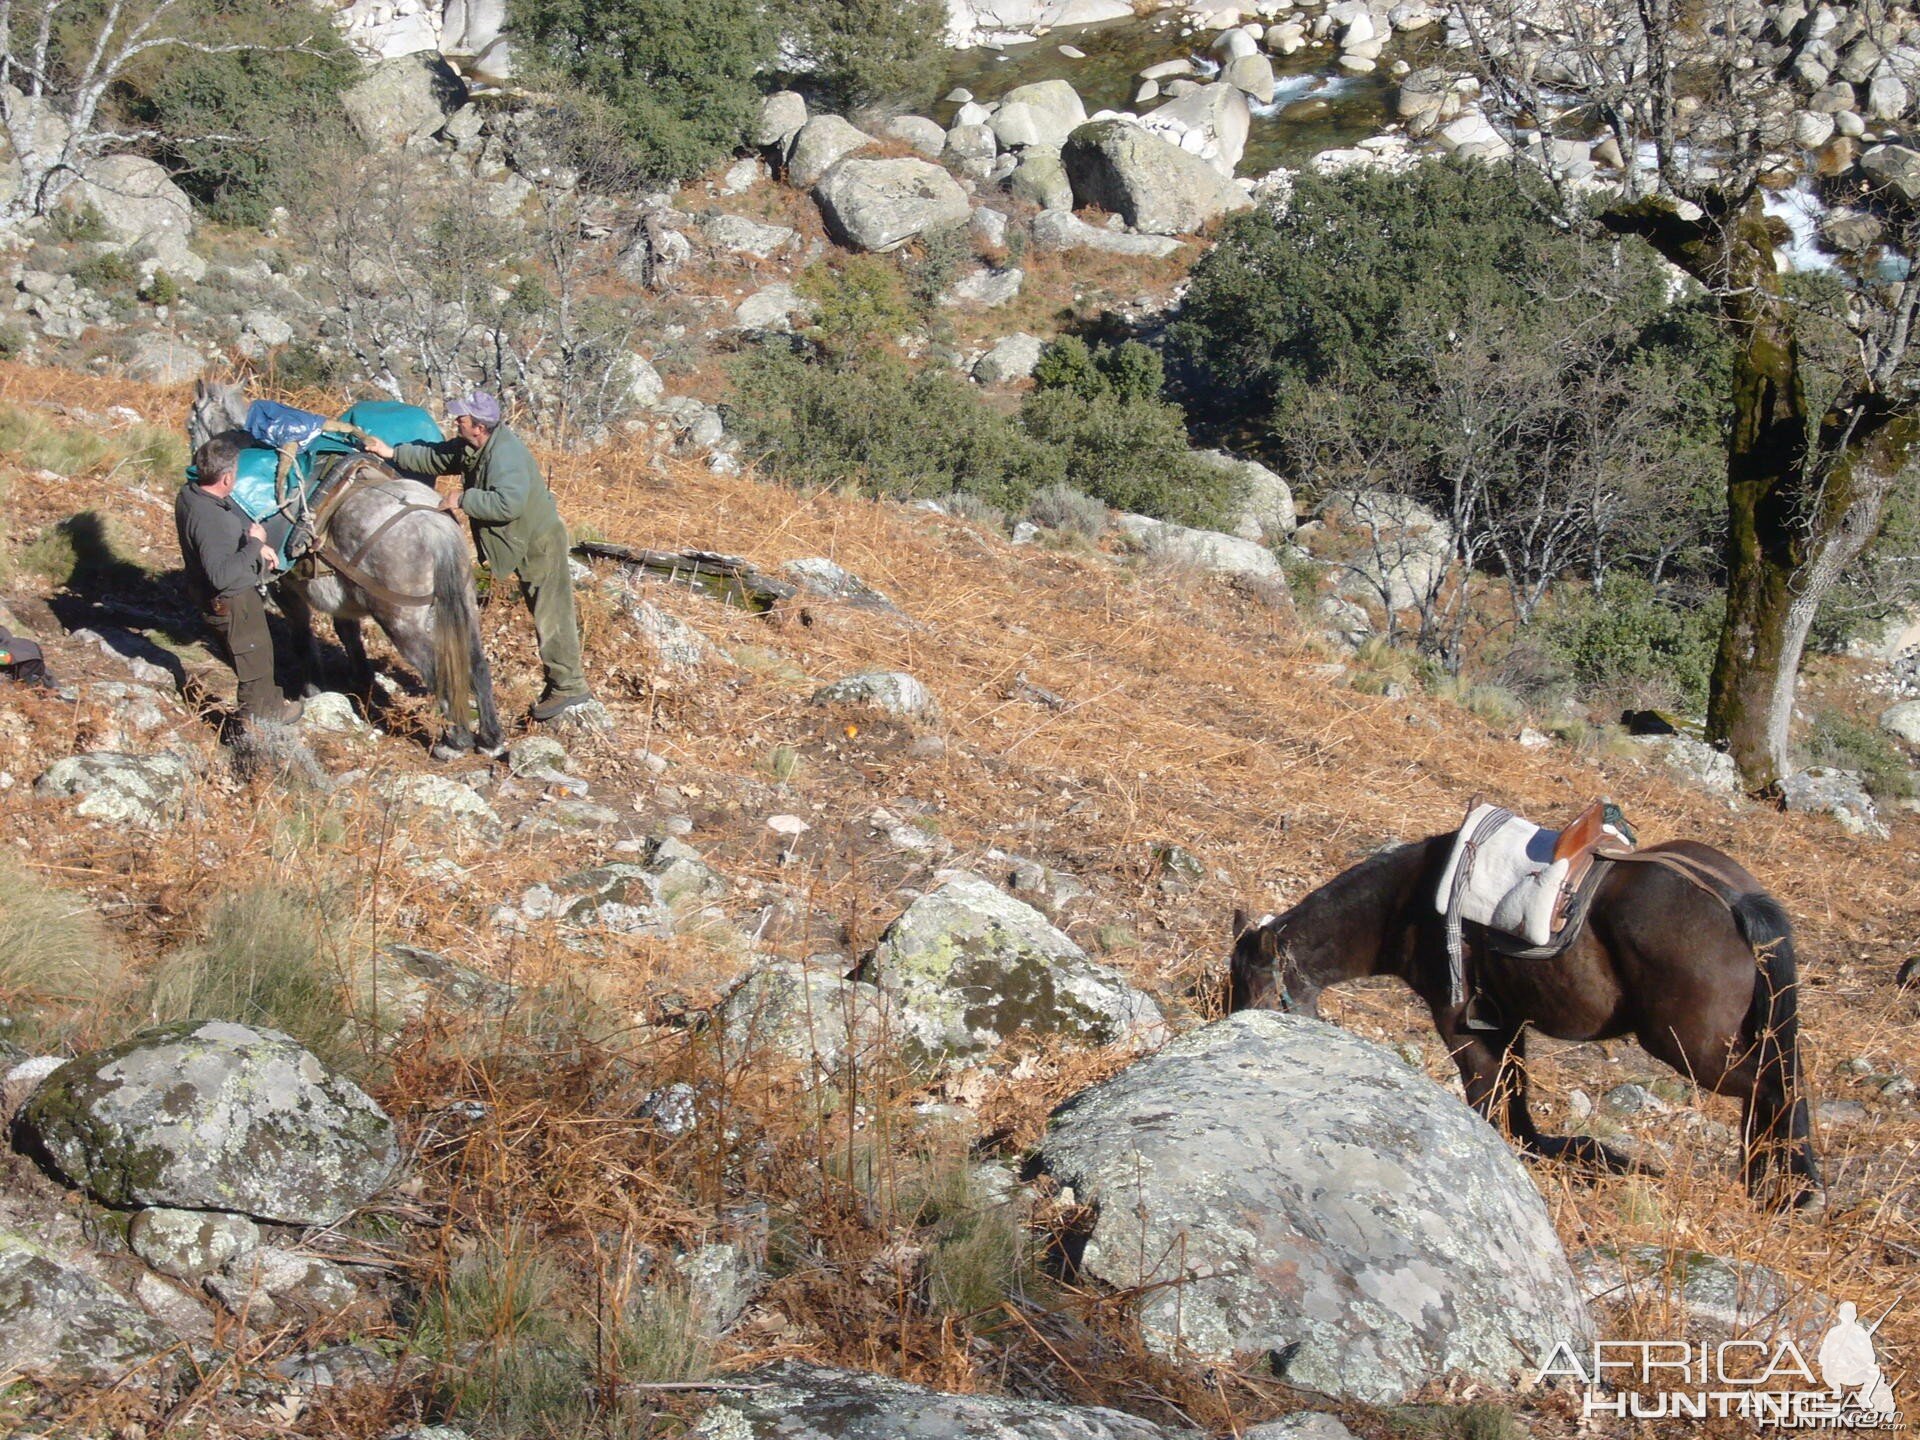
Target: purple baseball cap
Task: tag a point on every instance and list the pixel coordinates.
(480, 405)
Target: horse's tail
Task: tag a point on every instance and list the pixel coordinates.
(460, 671)
(1778, 1118)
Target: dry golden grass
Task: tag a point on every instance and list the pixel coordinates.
(1194, 715)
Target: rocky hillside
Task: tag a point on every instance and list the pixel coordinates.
(652, 1079)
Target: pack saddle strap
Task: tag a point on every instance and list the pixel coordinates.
(1704, 875)
(349, 566)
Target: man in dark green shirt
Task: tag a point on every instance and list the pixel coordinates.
(227, 559)
(516, 526)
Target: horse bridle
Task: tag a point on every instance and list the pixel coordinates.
(1283, 961)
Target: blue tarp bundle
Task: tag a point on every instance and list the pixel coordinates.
(391, 421)
(395, 423)
(272, 423)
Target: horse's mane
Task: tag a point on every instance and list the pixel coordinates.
(1368, 883)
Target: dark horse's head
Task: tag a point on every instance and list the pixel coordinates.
(1264, 974)
(1358, 923)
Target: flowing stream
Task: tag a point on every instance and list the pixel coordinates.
(1316, 106)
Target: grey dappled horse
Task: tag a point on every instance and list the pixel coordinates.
(422, 554)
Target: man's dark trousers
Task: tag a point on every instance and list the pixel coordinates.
(239, 623)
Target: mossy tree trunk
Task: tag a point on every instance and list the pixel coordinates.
(1801, 505)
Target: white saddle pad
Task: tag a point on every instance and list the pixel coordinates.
(1514, 882)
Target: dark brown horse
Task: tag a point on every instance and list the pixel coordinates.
(1705, 984)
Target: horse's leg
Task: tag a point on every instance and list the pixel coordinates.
(411, 628)
(1493, 1070)
(306, 647)
(360, 668)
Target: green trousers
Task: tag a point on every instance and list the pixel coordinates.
(548, 586)
(239, 624)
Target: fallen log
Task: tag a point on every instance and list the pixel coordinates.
(722, 577)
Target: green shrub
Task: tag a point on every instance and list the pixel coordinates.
(934, 264)
(1844, 743)
(972, 508)
(863, 51)
(661, 1337)
(1122, 443)
(104, 271)
(679, 74)
(1634, 645)
(56, 960)
(85, 223)
(241, 128)
(859, 305)
(976, 1257)
(271, 956)
(14, 339)
(499, 1327)
(1432, 329)
(876, 425)
(1063, 508)
(160, 289)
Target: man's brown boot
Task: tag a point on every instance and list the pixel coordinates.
(555, 705)
(281, 712)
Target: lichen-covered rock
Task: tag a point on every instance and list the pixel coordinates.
(1210, 550)
(666, 887)
(782, 114)
(1314, 1197)
(58, 1323)
(407, 982)
(882, 204)
(567, 817)
(126, 718)
(891, 692)
(1718, 1299)
(1266, 512)
(1902, 721)
(442, 801)
(1822, 790)
(1010, 359)
(818, 575)
(146, 791)
(1403, 549)
(1043, 113)
(1695, 760)
(333, 713)
(210, 1115)
(970, 967)
(1307, 1425)
(818, 145)
(809, 1402)
(532, 754)
(269, 1284)
(1063, 230)
(1041, 180)
(190, 1243)
(812, 1014)
(1150, 182)
(676, 645)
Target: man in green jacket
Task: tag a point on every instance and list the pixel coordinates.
(517, 527)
